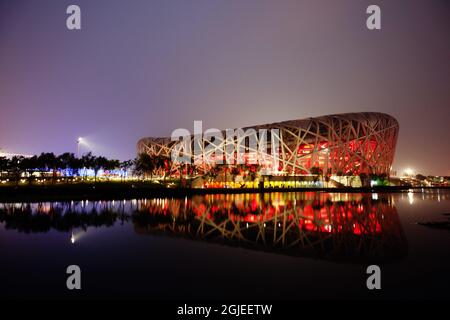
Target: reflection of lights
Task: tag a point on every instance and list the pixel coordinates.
(76, 236)
(374, 196)
(410, 197)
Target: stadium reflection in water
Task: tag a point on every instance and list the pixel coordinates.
(345, 227)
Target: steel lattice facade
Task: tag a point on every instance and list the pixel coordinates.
(342, 144)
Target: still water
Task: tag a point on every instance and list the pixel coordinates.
(279, 245)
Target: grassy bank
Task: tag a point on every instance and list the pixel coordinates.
(139, 190)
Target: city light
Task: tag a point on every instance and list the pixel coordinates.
(409, 171)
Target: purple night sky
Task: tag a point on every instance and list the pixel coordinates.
(144, 68)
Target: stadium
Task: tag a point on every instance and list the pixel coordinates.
(332, 148)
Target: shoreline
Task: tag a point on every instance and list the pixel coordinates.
(140, 190)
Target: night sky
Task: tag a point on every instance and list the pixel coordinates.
(144, 68)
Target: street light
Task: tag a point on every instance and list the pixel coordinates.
(79, 140)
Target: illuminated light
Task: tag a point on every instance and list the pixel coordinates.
(409, 171)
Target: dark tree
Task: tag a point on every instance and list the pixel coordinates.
(144, 165)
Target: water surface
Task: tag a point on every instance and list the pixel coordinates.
(277, 245)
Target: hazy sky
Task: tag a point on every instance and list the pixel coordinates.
(144, 68)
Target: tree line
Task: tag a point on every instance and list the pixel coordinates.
(49, 165)
(66, 166)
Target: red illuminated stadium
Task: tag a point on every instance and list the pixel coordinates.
(348, 144)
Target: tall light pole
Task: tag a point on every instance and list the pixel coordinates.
(79, 140)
